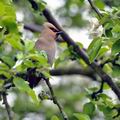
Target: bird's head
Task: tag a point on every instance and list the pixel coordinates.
(51, 30)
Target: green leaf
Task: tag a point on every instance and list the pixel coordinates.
(79, 44)
(81, 116)
(38, 57)
(116, 47)
(1, 83)
(108, 28)
(116, 71)
(89, 108)
(108, 112)
(54, 118)
(23, 86)
(103, 50)
(116, 28)
(29, 45)
(3, 66)
(46, 73)
(28, 63)
(107, 68)
(94, 49)
(99, 4)
(82, 62)
(5, 73)
(81, 0)
(6, 1)
(4, 70)
(114, 113)
(8, 60)
(104, 96)
(63, 45)
(20, 55)
(8, 17)
(8, 21)
(23, 104)
(42, 5)
(63, 57)
(106, 86)
(14, 40)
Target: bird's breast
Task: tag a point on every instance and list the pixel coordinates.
(48, 47)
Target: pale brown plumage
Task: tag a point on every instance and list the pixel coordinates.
(47, 41)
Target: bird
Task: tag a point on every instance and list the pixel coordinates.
(46, 42)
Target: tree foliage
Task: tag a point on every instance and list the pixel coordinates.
(20, 63)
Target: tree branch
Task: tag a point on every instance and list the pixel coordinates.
(38, 28)
(106, 78)
(33, 27)
(54, 72)
(55, 101)
(73, 71)
(112, 61)
(4, 95)
(95, 9)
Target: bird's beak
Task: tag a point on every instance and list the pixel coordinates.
(59, 33)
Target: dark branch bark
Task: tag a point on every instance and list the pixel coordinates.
(33, 27)
(95, 9)
(54, 72)
(4, 95)
(73, 71)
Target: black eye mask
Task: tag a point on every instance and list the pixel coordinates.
(54, 30)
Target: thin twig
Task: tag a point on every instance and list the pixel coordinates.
(4, 95)
(113, 61)
(55, 101)
(95, 9)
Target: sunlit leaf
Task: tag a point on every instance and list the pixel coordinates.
(14, 40)
(38, 57)
(23, 86)
(107, 68)
(29, 45)
(5, 73)
(3, 66)
(94, 48)
(103, 50)
(116, 47)
(54, 118)
(116, 71)
(89, 108)
(81, 116)
(8, 60)
(99, 4)
(116, 28)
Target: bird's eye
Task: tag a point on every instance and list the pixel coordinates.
(53, 29)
